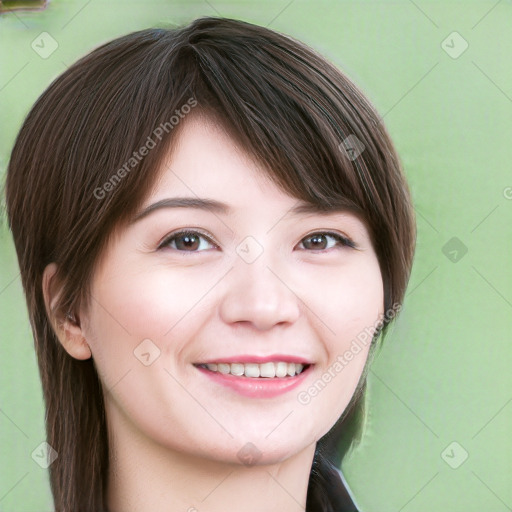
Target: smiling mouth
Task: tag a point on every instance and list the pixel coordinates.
(268, 370)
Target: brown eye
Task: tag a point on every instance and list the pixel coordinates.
(321, 241)
(186, 241)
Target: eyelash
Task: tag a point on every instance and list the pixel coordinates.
(342, 240)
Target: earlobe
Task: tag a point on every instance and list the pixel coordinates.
(65, 325)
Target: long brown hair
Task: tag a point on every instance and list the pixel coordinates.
(315, 133)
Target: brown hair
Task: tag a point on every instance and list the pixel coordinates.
(292, 110)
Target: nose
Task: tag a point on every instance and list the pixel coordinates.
(258, 294)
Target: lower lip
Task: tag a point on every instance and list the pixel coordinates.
(260, 387)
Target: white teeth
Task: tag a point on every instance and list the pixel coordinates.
(237, 369)
(266, 370)
(281, 369)
(223, 368)
(252, 370)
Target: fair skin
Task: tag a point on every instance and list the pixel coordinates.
(175, 430)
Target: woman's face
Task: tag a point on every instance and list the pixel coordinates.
(255, 288)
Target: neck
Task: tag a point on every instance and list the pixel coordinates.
(144, 475)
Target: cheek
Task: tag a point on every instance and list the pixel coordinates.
(130, 307)
(133, 305)
(350, 307)
(144, 303)
(349, 303)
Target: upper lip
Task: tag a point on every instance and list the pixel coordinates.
(245, 358)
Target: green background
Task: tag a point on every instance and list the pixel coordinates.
(443, 375)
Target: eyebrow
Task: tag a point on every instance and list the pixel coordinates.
(215, 206)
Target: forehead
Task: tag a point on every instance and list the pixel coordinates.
(205, 161)
(207, 167)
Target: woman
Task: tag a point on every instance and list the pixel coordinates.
(213, 231)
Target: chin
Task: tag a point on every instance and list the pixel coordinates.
(254, 453)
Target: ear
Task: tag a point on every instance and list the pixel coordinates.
(66, 326)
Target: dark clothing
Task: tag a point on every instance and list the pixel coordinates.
(343, 498)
